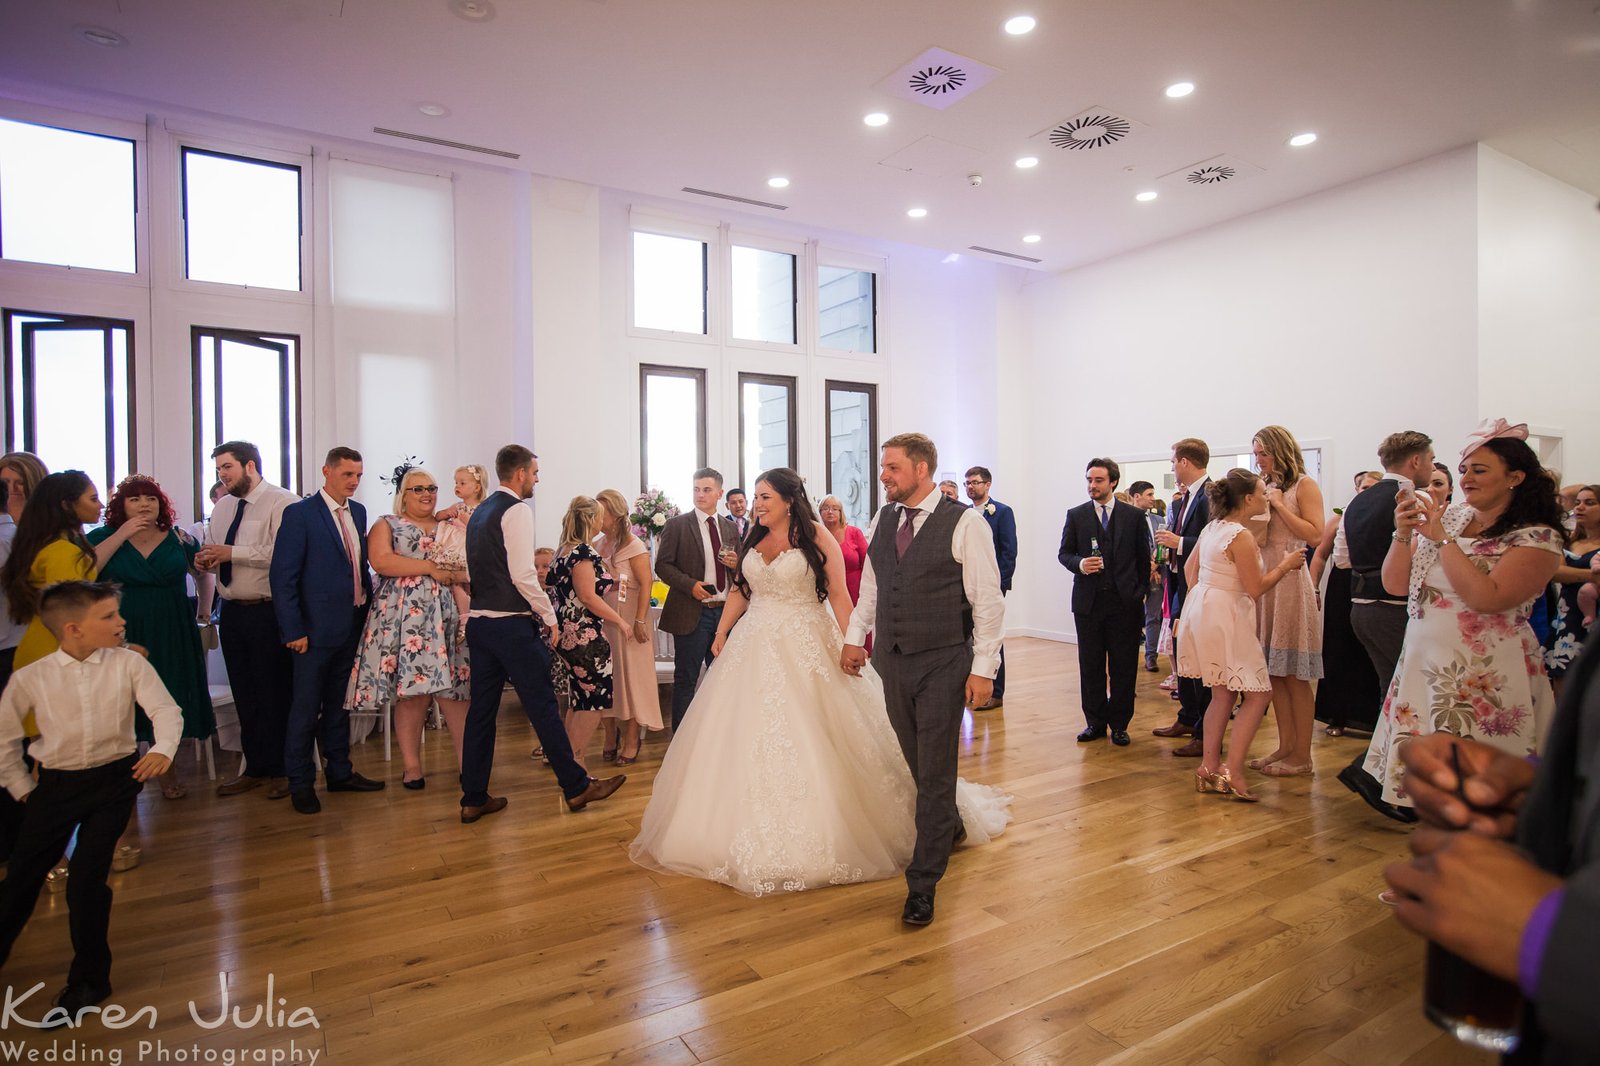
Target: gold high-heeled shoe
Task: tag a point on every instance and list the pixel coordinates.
(1206, 781)
(1235, 789)
(126, 858)
(56, 879)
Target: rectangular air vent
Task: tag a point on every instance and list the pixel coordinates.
(735, 199)
(1008, 255)
(447, 144)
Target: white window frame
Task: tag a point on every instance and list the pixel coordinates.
(640, 221)
(805, 296)
(847, 260)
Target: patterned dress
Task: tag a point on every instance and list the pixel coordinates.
(583, 646)
(1567, 631)
(1289, 623)
(1471, 673)
(411, 645)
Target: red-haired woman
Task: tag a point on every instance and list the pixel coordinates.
(140, 548)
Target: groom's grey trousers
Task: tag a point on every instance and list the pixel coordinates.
(925, 694)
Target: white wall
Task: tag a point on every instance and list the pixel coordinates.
(1539, 307)
(1344, 316)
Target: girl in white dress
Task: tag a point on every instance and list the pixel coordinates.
(1219, 644)
(786, 774)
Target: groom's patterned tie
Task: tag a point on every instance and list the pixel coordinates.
(902, 536)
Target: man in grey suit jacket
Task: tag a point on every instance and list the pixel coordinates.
(930, 593)
(1527, 912)
(695, 560)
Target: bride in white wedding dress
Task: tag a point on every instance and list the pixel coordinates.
(786, 774)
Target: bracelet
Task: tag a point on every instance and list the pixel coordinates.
(638, 621)
(1398, 539)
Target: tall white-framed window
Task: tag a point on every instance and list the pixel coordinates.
(68, 197)
(69, 392)
(852, 441)
(767, 431)
(247, 387)
(672, 430)
(243, 218)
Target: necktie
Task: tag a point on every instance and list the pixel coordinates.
(1105, 517)
(902, 536)
(343, 520)
(225, 571)
(716, 554)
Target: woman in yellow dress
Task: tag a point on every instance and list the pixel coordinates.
(49, 547)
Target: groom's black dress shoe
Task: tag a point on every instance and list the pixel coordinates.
(305, 800)
(1366, 786)
(355, 783)
(919, 909)
(1120, 738)
(1094, 732)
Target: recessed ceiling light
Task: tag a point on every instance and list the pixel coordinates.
(778, 183)
(1032, 238)
(101, 36)
(1017, 25)
(433, 109)
(1300, 140)
(1027, 161)
(1180, 88)
(876, 118)
(472, 10)
(917, 212)
(1146, 196)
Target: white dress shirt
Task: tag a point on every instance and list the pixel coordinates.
(350, 538)
(710, 576)
(973, 547)
(516, 527)
(84, 709)
(252, 544)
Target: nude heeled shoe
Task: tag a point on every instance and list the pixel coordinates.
(1236, 789)
(1208, 781)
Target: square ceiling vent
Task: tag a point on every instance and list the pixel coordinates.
(1090, 130)
(938, 78)
(1212, 173)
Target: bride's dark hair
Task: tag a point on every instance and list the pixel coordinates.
(802, 529)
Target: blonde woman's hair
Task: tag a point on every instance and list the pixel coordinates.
(1288, 464)
(478, 473)
(416, 473)
(577, 525)
(614, 505)
(836, 502)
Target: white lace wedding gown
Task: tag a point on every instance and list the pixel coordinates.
(786, 774)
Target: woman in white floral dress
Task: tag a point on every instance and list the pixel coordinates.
(1471, 664)
(411, 649)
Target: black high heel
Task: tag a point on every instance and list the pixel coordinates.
(416, 785)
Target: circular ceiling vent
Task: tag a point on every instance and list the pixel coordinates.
(1210, 175)
(932, 81)
(1091, 131)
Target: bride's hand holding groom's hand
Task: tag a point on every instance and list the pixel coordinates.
(852, 659)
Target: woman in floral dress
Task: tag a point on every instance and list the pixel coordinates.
(1568, 631)
(411, 650)
(578, 584)
(1471, 664)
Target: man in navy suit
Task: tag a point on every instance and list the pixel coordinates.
(1106, 545)
(1190, 457)
(1003, 525)
(320, 591)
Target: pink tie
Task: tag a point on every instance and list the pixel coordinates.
(350, 550)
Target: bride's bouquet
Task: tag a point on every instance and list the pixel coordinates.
(651, 509)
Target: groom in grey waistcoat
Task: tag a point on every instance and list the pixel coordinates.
(930, 594)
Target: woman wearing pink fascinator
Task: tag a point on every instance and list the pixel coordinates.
(1471, 664)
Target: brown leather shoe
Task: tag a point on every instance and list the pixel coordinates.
(598, 790)
(989, 705)
(239, 785)
(492, 805)
(1176, 729)
(1191, 750)
(278, 789)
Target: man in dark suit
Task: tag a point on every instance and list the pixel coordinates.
(1509, 877)
(1003, 525)
(738, 507)
(1106, 544)
(1190, 457)
(695, 560)
(320, 592)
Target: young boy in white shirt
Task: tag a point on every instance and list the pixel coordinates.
(82, 697)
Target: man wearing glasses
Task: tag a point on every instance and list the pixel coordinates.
(1003, 525)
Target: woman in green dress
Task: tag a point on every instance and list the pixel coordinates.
(144, 552)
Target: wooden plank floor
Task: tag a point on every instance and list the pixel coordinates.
(1122, 918)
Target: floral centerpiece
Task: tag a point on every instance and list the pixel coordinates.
(651, 509)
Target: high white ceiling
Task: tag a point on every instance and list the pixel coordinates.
(656, 95)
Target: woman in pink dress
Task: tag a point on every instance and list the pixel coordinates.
(636, 698)
(852, 543)
(1219, 644)
(1290, 625)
